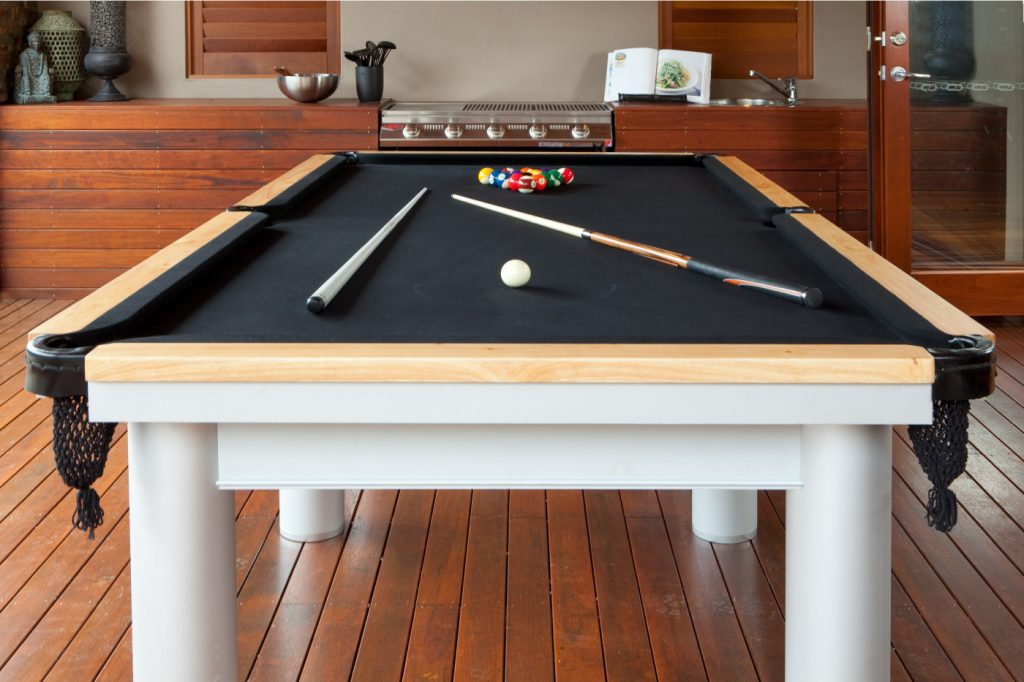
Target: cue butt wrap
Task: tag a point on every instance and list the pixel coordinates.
(809, 297)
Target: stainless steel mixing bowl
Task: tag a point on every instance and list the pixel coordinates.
(308, 87)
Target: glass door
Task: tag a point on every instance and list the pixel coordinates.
(949, 80)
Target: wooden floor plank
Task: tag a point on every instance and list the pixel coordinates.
(24, 559)
(99, 636)
(26, 608)
(252, 527)
(993, 619)
(953, 629)
(624, 638)
(333, 650)
(770, 542)
(48, 639)
(920, 654)
(529, 637)
(118, 666)
(574, 618)
(759, 611)
(261, 593)
(670, 627)
(435, 624)
(381, 654)
(481, 638)
(284, 648)
(714, 619)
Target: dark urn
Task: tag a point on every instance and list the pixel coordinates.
(107, 57)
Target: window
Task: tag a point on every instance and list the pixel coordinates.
(776, 38)
(246, 38)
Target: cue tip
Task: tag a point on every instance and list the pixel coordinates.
(315, 304)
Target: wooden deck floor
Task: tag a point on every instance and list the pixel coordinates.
(582, 586)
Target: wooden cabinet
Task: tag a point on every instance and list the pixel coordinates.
(88, 190)
(816, 150)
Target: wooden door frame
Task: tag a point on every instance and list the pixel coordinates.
(889, 153)
(976, 292)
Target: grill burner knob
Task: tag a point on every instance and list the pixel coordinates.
(538, 132)
(580, 132)
(452, 131)
(410, 132)
(495, 132)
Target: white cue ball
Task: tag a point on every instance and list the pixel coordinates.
(515, 273)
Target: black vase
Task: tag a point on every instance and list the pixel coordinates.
(108, 58)
(108, 65)
(369, 83)
(951, 57)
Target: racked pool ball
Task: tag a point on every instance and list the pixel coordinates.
(526, 184)
(567, 175)
(484, 176)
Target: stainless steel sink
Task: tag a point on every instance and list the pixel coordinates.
(749, 102)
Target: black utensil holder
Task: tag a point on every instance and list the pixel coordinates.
(369, 83)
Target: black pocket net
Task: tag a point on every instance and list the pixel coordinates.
(941, 448)
(81, 447)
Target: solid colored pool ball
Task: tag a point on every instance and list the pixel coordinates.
(493, 178)
(513, 181)
(567, 175)
(515, 273)
(541, 182)
(484, 176)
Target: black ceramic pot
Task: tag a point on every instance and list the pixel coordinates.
(369, 83)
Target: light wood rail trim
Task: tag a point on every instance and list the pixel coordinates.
(87, 310)
(283, 182)
(920, 298)
(776, 194)
(507, 363)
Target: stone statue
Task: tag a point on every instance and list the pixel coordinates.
(33, 76)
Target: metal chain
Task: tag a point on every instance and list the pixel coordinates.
(960, 86)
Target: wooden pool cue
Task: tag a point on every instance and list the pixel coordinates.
(323, 296)
(806, 296)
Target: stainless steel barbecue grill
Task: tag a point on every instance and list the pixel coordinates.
(495, 125)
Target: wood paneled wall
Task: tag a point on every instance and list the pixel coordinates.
(816, 151)
(89, 190)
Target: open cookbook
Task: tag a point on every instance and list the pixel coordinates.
(646, 71)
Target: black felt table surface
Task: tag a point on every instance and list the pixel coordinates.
(436, 278)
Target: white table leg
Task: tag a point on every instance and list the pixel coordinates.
(724, 516)
(838, 556)
(182, 555)
(308, 515)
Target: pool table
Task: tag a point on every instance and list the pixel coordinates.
(606, 371)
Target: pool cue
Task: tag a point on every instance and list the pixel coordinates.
(806, 296)
(323, 296)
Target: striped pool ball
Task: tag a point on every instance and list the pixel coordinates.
(526, 184)
(484, 176)
(567, 175)
(554, 178)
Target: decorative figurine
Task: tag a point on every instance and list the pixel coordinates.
(33, 76)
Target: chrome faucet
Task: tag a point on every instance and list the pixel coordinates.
(787, 89)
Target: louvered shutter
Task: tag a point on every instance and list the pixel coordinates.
(776, 38)
(248, 38)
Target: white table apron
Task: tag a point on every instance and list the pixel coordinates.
(829, 446)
